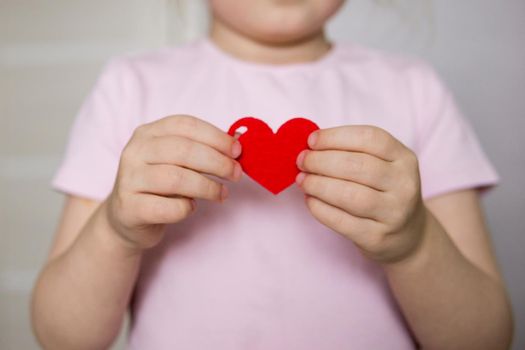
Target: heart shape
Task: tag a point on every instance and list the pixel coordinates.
(268, 158)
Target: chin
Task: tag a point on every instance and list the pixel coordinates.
(282, 34)
(276, 21)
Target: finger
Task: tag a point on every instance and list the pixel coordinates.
(176, 150)
(352, 166)
(152, 209)
(340, 221)
(169, 180)
(358, 138)
(197, 130)
(354, 198)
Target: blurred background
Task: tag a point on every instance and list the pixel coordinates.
(51, 52)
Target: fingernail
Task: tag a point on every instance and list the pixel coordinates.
(300, 159)
(237, 171)
(300, 178)
(312, 138)
(236, 149)
(224, 193)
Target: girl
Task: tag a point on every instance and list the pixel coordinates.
(390, 251)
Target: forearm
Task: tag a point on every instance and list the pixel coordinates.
(448, 302)
(81, 296)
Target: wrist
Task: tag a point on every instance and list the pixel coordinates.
(419, 255)
(113, 239)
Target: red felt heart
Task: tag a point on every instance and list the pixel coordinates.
(268, 158)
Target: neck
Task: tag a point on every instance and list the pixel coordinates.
(243, 47)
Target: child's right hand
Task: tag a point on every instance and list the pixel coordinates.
(159, 176)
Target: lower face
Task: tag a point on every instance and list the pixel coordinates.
(275, 21)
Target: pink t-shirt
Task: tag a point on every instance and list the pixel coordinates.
(258, 271)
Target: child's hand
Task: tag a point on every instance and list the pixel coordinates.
(363, 183)
(160, 174)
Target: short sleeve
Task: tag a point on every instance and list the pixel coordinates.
(99, 133)
(450, 155)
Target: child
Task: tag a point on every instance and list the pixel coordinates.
(390, 251)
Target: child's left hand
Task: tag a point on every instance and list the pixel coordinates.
(363, 183)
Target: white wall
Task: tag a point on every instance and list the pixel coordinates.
(51, 52)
